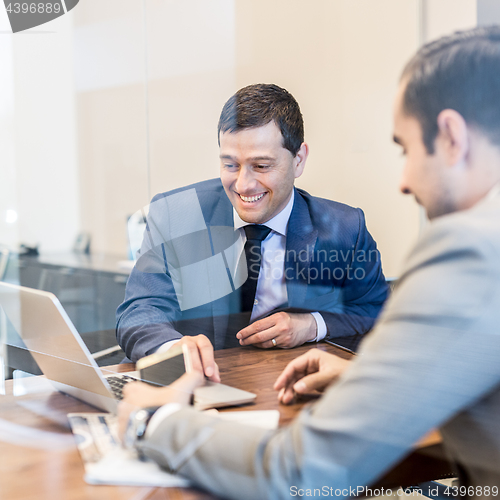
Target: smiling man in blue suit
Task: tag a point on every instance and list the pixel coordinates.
(248, 259)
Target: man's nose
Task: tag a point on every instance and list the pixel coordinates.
(404, 186)
(245, 183)
(404, 189)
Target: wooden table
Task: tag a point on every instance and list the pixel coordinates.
(39, 459)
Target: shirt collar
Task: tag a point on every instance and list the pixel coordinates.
(278, 223)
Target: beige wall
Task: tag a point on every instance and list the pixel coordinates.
(151, 83)
(442, 17)
(38, 159)
(342, 62)
(112, 156)
(8, 188)
(488, 12)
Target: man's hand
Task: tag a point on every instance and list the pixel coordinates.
(287, 329)
(139, 395)
(313, 371)
(201, 353)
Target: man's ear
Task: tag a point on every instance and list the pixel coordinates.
(300, 159)
(453, 136)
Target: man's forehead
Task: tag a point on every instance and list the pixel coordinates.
(265, 136)
(399, 97)
(398, 108)
(270, 128)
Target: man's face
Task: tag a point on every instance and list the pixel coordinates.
(425, 175)
(257, 172)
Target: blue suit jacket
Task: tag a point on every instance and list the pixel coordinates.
(332, 266)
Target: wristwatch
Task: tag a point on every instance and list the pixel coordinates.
(137, 425)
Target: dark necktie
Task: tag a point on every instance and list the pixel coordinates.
(255, 235)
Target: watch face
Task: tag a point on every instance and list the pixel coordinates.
(137, 425)
(142, 418)
(142, 414)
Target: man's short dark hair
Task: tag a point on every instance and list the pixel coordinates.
(259, 104)
(460, 72)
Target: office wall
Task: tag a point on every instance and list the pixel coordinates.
(151, 81)
(109, 51)
(191, 73)
(488, 12)
(38, 153)
(8, 198)
(442, 17)
(342, 61)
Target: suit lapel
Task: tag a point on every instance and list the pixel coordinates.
(300, 241)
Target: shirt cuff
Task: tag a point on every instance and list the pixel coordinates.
(320, 327)
(167, 345)
(160, 415)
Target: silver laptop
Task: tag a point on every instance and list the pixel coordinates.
(50, 336)
(65, 360)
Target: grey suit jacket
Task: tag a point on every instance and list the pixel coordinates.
(433, 360)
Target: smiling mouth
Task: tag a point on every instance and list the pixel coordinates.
(251, 199)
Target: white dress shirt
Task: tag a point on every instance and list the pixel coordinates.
(271, 285)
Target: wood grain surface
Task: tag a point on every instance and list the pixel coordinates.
(39, 459)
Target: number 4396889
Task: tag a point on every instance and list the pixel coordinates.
(34, 8)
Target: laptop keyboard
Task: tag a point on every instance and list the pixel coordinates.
(118, 383)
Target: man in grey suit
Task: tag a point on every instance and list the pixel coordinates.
(433, 359)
